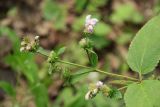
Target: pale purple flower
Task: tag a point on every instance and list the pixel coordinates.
(90, 23)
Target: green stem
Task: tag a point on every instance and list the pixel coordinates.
(117, 75)
(100, 71)
(45, 53)
(122, 88)
(78, 74)
(140, 76)
(74, 64)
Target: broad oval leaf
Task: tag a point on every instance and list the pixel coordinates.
(144, 51)
(145, 94)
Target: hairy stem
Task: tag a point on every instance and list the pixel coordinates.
(45, 53)
(122, 88)
(140, 76)
(82, 73)
(100, 71)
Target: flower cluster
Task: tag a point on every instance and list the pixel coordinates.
(53, 57)
(90, 23)
(28, 44)
(94, 89)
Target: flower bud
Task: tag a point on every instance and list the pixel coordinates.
(53, 57)
(67, 77)
(83, 42)
(90, 29)
(105, 90)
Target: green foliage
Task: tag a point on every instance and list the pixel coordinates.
(143, 56)
(40, 95)
(144, 94)
(102, 29)
(61, 50)
(126, 12)
(23, 63)
(94, 4)
(102, 101)
(115, 94)
(80, 75)
(124, 38)
(54, 12)
(99, 41)
(18, 61)
(76, 99)
(66, 75)
(8, 88)
(5, 31)
(78, 55)
(144, 51)
(79, 5)
(93, 58)
(78, 24)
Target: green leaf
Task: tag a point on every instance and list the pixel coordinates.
(126, 12)
(102, 29)
(40, 95)
(78, 23)
(8, 88)
(23, 62)
(93, 58)
(61, 50)
(115, 94)
(79, 5)
(5, 31)
(145, 94)
(99, 41)
(144, 51)
(55, 12)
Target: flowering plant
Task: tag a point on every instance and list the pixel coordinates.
(143, 56)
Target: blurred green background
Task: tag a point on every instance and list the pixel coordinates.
(24, 78)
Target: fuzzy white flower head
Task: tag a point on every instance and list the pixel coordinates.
(28, 47)
(99, 84)
(87, 96)
(36, 37)
(90, 23)
(23, 43)
(91, 94)
(22, 49)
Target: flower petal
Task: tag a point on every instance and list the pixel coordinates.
(93, 21)
(88, 18)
